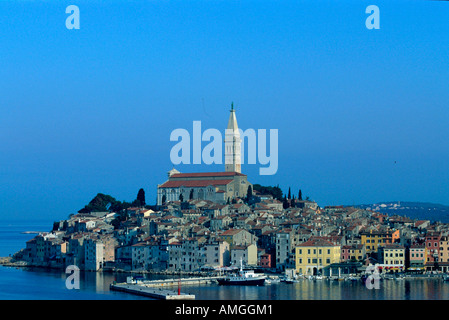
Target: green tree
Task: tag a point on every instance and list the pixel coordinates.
(276, 192)
(249, 193)
(101, 203)
(285, 204)
(164, 199)
(181, 197)
(191, 194)
(300, 195)
(289, 194)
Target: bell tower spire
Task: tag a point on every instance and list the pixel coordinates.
(232, 144)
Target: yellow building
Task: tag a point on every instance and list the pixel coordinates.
(393, 257)
(315, 254)
(373, 240)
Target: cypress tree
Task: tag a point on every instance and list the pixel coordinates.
(141, 197)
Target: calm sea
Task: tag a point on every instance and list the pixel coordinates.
(39, 284)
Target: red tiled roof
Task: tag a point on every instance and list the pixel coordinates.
(206, 174)
(316, 243)
(194, 183)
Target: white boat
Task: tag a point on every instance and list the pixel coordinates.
(243, 278)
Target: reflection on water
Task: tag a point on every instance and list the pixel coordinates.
(36, 284)
(418, 289)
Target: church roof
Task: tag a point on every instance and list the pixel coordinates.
(206, 174)
(195, 183)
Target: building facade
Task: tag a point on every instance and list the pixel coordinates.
(314, 255)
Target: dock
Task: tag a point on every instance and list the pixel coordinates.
(173, 282)
(165, 289)
(155, 293)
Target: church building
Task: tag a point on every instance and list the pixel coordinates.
(218, 187)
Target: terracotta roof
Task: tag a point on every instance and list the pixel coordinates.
(194, 183)
(231, 232)
(206, 174)
(317, 243)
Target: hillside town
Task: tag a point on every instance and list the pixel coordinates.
(215, 221)
(265, 234)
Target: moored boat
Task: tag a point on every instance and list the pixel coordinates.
(243, 278)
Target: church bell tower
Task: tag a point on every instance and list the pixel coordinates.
(232, 144)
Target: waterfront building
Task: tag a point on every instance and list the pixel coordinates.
(443, 263)
(175, 255)
(393, 257)
(315, 254)
(284, 248)
(432, 242)
(98, 251)
(94, 255)
(247, 254)
(216, 254)
(417, 256)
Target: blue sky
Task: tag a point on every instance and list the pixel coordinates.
(362, 114)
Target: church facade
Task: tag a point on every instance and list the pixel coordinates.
(219, 187)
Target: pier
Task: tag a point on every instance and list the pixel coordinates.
(155, 293)
(161, 289)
